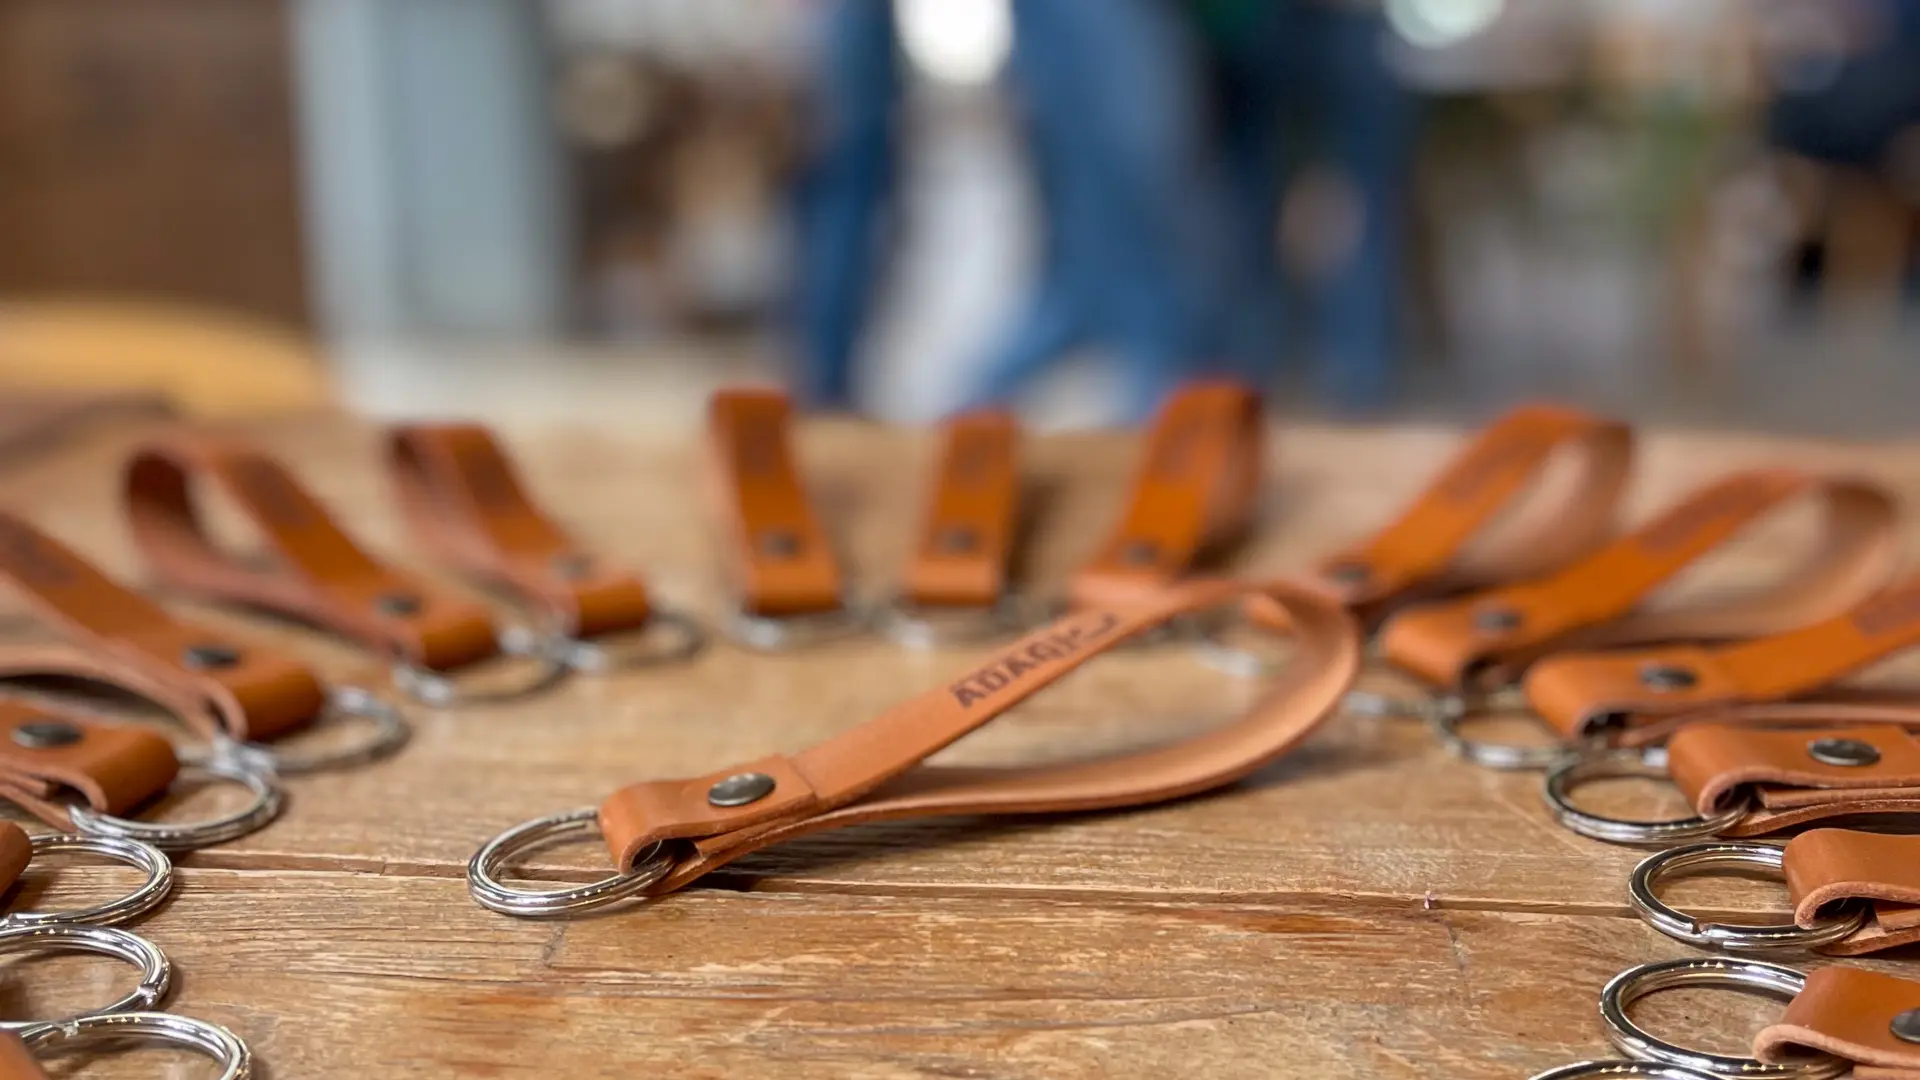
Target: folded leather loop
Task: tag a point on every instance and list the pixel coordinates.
(318, 575)
(1437, 545)
(16, 1061)
(1795, 776)
(1595, 602)
(1195, 487)
(114, 768)
(1578, 693)
(966, 537)
(1826, 867)
(464, 502)
(16, 849)
(1850, 1014)
(1833, 708)
(874, 772)
(782, 561)
(252, 693)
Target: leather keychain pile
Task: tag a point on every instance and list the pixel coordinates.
(94, 930)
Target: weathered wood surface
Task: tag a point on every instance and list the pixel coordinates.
(1367, 907)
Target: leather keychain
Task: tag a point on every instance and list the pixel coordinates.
(317, 574)
(954, 589)
(246, 696)
(16, 1062)
(789, 584)
(1489, 638)
(17, 850)
(1837, 1019)
(1444, 543)
(1853, 893)
(464, 502)
(665, 834)
(48, 755)
(1194, 489)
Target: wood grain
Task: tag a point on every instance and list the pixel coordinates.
(1366, 907)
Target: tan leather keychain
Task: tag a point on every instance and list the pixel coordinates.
(48, 755)
(1838, 1020)
(247, 696)
(954, 589)
(665, 834)
(1198, 478)
(1639, 696)
(15, 851)
(1488, 639)
(317, 574)
(789, 585)
(16, 1062)
(464, 502)
(1445, 542)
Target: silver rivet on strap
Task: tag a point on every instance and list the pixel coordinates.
(1846, 753)
(740, 789)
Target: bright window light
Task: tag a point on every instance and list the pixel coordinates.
(956, 41)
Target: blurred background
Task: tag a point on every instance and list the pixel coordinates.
(1702, 212)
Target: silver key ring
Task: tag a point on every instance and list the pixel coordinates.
(1620, 764)
(155, 973)
(544, 668)
(781, 633)
(1695, 858)
(640, 647)
(143, 857)
(1746, 976)
(187, 836)
(1447, 710)
(926, 626)
(490, 892)
(1619, 1070)
(210, 1040)
(387, 731)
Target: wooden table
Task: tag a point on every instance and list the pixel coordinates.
(1366, 907)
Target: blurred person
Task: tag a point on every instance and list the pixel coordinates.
(1316, 68)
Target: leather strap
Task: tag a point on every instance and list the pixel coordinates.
(1443, 542)
(874, 772)
(1835, 708)
(1791, 782)
(782, 561)
(1832, 866)
(16, 849)
(16, 1061)
(114, 767)
(966, 538)
(1848, 1013)
(1195, 488)
(317, 574)
(1579, 693)
(1596, 602)
(244, 692)
(464, 502)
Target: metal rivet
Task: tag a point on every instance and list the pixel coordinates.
(46, 734)
(1847, 753)
(740, 789)
(956, 540)
(1906, 1026)
(1352, 573)
(397, 604)
(210, 657)
(1140, 553)
(573, 567)
(778, 543)
(1496, 620)
(1667, 677)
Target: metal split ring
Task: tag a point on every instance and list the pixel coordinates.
(144, 857)
(387, 731)
(1694, 858)
(186, 836)
(1747, 976)
(1620, 1070)
(1447, 710)
(1621, 764)
(210, 1040)
(155, 972)
(915, 625)
(490, 892)
(780, 633)
(440, 690)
